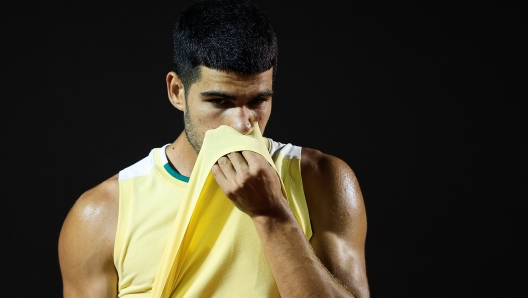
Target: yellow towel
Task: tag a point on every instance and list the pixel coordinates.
(214, 249)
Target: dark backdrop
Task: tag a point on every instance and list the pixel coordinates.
(422, 101)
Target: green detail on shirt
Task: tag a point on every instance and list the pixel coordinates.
(175, 174)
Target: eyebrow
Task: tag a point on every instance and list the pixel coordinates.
(230, 96)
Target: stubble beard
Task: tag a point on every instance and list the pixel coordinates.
(190, 132)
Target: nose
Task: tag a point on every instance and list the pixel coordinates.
(242, 119)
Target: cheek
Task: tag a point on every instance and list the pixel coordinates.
(206, 119)
(263, 120)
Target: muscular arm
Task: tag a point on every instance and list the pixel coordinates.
(86, 243)
(338, 218)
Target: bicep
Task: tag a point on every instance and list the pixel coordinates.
(339, 222)
(85, 251)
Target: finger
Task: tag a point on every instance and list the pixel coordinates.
(254, 159)
(238, 162)
(226, 166)
(218, 174)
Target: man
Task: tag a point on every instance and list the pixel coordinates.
(225, 61)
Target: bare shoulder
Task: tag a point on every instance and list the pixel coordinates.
(315, 162)
(98, 206)
(87, 239)
(329, 182)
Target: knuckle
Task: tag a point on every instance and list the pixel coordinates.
(244, 177)
(236, 185)
(259, 170)
(231, 155)
(240, 185)
(222, 161)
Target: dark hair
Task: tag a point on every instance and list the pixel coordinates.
(226, 35)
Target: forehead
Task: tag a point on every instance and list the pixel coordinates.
(215, 80)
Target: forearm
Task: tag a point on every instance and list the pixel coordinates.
(295, 267)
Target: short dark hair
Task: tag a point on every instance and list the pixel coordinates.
(226, 35)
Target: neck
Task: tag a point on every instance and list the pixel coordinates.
(182, 155)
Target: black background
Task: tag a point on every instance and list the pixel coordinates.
(422, 101)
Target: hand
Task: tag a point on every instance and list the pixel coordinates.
(251, 183)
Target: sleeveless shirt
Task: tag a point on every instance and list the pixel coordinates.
(150, 196)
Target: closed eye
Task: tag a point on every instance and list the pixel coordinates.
(258, 100)
(220, 102)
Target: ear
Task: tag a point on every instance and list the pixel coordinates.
(175, 91)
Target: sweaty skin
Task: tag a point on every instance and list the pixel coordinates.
(331, 264)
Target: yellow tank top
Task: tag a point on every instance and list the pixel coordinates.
(168, 240)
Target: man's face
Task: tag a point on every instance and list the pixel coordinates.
(221, 98)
